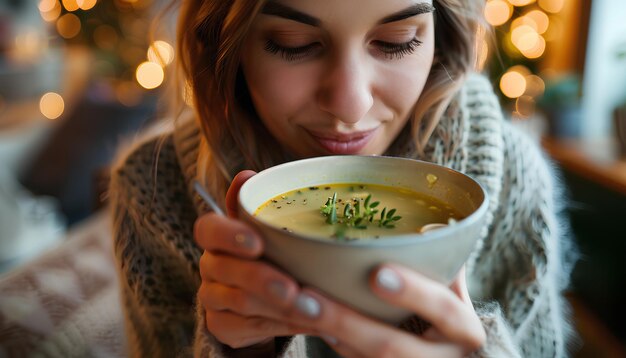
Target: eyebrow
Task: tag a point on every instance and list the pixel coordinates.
(286, 12)
(277, 9)
(413, 10)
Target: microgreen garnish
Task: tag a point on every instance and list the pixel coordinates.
(387, 219)
(330, 209)
(356, 214)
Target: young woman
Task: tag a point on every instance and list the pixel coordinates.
(278, 80)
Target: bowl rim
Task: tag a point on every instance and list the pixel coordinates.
(395, 240)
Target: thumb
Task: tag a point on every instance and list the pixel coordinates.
(233, 191)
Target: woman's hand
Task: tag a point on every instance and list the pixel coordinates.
(455, 328)
(245, 299)
(249, 302)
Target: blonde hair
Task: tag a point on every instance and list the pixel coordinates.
(210, 35)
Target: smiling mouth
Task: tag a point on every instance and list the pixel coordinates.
(339, 143)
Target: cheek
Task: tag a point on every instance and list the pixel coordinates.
(403, 84)
(277, 90)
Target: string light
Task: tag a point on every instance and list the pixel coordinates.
(534, 47)
(86, 4)
(68, 25)
(70, 5)
(523, 37)
(520, 3)
(50, 14)
(47, 5)
(525, 106)
(149, 75)
(51, 105)
(540, 19)
(161, 53)
(498, 12)
(535, 86)
(513, 84)
(553, 6)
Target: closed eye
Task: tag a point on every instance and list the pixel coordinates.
(292, 53)
(392, 50)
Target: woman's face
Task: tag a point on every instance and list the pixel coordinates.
(338, 77)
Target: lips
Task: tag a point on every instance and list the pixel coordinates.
(343, 143)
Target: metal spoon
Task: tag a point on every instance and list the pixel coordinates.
(207, 198)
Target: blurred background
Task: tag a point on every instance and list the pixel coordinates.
(80, 77)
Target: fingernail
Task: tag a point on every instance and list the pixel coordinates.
(308, 305)
(329, 339)
(278, 289)
(388, 280)
(245, 241)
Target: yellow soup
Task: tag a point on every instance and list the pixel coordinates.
(308, 211)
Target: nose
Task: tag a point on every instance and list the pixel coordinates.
(346, 89)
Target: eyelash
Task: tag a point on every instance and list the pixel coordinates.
(398, 50)
(389, 50)
(291, 53)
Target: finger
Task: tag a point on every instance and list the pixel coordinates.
(431, 301)
(343, 349)
(233, 191)
(217, 233)
(459, 287)
(220, 297)
(238, 331)
(255, 277)
(364, 335)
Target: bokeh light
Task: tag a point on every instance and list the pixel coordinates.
(513, 84)
(553, 6)
(70, 5)
(47, 5)
(520, 3)
(523, 21)
(149, 75)
(524, 38)
(525, 106)
(161, 52)
(29, 45)
(51, 105)
(52, 14)
(533, 46)
(498, 12)
(535, 86)
(540, 20)
(68, 25)
(86, 4)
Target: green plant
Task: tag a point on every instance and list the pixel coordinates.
(561, 92)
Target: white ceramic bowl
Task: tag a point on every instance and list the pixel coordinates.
(341, 268)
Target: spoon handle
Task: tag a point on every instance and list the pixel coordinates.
(207, 198)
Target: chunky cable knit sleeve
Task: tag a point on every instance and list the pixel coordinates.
(156, 256)
(158, 259)
(518, 269)
(521, 264)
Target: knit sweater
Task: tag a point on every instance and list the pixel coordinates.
(515, 275)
